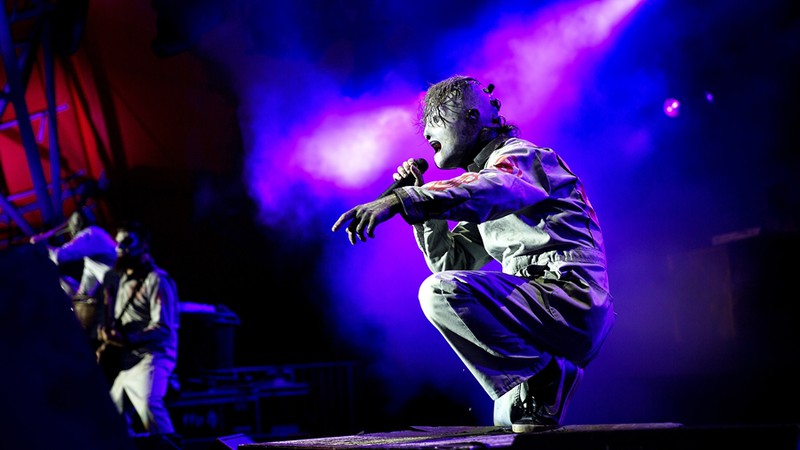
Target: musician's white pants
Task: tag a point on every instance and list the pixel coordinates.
(145, 385)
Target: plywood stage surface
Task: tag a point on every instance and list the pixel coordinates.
(639, 436)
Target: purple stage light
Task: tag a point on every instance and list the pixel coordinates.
(672, 107)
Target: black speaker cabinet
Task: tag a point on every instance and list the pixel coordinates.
(205, 338)
(736, 326)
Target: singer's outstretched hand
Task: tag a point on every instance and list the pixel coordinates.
(365, 217)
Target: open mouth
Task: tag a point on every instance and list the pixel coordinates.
(436, 145)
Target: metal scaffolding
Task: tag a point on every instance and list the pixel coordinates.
(27, 36)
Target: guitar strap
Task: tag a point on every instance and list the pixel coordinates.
(121, 359)
(139, 288)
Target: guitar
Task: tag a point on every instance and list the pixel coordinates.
(110, 353)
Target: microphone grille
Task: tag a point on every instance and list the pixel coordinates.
(422, 164)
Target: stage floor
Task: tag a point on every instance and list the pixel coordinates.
(637, 436)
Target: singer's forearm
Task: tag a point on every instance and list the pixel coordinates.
(396, 205)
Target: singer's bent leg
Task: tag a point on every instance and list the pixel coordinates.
(506, 328)
(486, 317)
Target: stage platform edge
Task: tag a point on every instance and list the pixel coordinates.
(629, 436)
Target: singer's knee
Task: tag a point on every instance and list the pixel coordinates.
(436, 293)
(428, 295)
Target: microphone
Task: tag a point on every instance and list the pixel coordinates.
(408, 180)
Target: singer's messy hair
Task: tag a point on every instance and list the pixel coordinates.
(461, 92)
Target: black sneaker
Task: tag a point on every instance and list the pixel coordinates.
(544, 407)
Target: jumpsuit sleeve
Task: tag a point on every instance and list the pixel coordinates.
(513, 179)
(461, 248)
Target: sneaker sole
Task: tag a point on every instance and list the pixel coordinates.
(530, 427)
(525, 427)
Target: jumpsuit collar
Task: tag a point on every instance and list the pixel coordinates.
(480, 161)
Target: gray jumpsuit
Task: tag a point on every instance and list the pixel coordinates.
(521, 205)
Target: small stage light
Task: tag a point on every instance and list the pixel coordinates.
(672, 107)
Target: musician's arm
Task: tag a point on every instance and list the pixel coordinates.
(163, 315)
